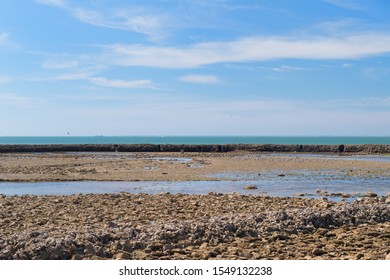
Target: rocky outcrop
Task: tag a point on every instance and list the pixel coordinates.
(366, 149)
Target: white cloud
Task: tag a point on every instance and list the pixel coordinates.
(287, 68)
(121, 83)
(51, 64)
(17, 101)
(131, 19)
(249, 49)
(71, 76)
(346, 4)
(4, 79)
(3, 38)
(59, 3)
(200, 79)
(145, 24)
(376, 73)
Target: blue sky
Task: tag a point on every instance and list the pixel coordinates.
(218, 67)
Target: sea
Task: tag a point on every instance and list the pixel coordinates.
(301, 140)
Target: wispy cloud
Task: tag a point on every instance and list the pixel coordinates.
(346, 4)
(130, 19)
(51, 64)
(376, 73)
(200, 79)
(70, 76)
(19, 101)
(147, 24)
(3, 38)
(249, 49)
(4, 79)
(121, 83)
(244, 117)
(82, 75)
(287, 68)
(59, 3)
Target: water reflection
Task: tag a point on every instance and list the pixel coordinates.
(354, 188)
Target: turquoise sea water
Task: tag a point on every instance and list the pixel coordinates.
(304, 140)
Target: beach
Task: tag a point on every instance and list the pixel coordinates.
(191, 226)
(167, 166)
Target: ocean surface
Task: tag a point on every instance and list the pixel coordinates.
(304, 140)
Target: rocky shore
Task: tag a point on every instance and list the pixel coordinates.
(213, 226)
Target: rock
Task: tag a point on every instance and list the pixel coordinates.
(112, 225)
(359, 256)
(387, 257)
(280, 237)
(168, 247)
(323, 231)
(322, 192)
(318, 252)
(139, 255)
(370, 194)
(250, 187)
(156, 246)
(89, 250)
(77, 257)
(122, 256)
(281, 175)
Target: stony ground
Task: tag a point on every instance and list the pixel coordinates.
(213, 226)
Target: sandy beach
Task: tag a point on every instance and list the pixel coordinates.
(180, 226)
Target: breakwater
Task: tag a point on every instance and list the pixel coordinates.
(363, 149)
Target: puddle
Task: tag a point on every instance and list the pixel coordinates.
(128, 156)
(374, 158)
(291, 188)
(150, 168)
(174, 159)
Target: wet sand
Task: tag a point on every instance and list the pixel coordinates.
(171, 166)
(167, 226)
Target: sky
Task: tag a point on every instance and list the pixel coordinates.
(195, 67)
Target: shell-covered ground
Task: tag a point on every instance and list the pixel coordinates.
(212, 226)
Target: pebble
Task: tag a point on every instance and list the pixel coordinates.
(122, 256)
(250, 187)
(318, 252)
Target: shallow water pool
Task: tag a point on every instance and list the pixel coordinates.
(280, 187)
